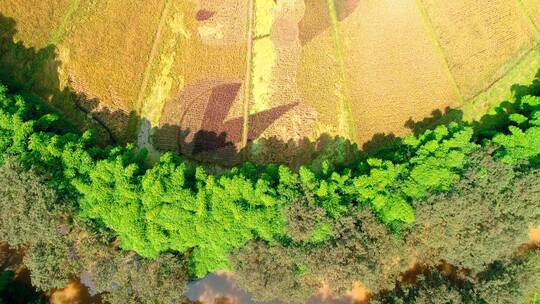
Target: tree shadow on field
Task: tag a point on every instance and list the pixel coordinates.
(34, 74)
(490, 123)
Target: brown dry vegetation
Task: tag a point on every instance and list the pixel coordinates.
(534, 236)
(73, 293)
(480, 39)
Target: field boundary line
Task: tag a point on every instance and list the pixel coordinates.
(525, 11)
(521, 57)
(345, 98)
(250, 20)
(153, 53)
(61, 30)
(509, 78)
(428, 26)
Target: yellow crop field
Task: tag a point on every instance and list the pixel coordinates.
(203, 77)
(392, 68)
(107, 55)
(533, 10)
(37, 21)
(480, 39)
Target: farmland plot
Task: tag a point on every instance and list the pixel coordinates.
(37, 21)
(393, 68)
(533, 9)
(206, 111)
(480, 39)
(108, 53)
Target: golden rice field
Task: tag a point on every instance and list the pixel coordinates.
(355, 68)
(480, 39)
(38, 21)
(532, 8)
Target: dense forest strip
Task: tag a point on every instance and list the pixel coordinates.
(250, 22)
(428, 26)
(213, 215)
(347, 123)
(369, 213)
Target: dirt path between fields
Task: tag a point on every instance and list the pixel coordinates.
(346, 123)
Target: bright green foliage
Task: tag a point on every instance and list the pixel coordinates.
(174, 207)
(178, 206)
(523, 142)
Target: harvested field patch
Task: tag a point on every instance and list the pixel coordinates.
(360, 69)
(276, 108)
(198, 121)
(480, 39)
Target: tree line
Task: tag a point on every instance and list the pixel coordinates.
(448, 194)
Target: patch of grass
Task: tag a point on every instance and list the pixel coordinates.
(522, 72)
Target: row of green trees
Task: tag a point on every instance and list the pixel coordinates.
(447, 194)
(179, 206)
(57, 247)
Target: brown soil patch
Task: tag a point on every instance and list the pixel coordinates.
(73, 293)
(197, 121)
(480, 39)
(359, 293)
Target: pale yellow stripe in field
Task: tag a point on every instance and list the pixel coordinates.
(153, 53)
(346, 122)
(66, 20)
(529, 13)
(438, 47)
(250, 19)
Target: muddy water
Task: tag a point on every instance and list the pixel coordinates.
(221, 287)
(73, 293)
